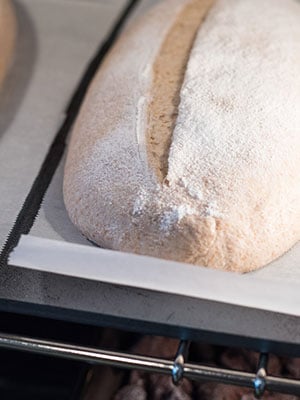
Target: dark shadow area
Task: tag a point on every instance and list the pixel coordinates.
(20, 73)
(25, 375)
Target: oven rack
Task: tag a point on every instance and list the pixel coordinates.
(177, 368)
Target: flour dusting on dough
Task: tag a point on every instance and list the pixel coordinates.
(174, 216)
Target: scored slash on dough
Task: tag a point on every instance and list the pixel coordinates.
(168, 74)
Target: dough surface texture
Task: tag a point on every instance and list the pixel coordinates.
(228, 196)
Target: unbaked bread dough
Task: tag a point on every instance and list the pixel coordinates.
(7, 36)
(206, 172)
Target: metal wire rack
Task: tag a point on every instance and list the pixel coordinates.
(178, 368)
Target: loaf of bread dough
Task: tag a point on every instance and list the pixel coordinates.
(187, 146)
(7, 36)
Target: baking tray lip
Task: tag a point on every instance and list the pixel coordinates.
(154, 274)
(53, 295)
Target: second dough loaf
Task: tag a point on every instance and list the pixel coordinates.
(7, 36)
